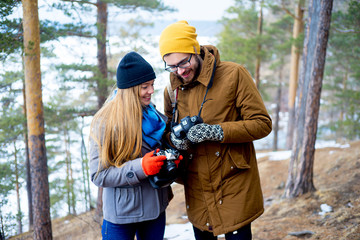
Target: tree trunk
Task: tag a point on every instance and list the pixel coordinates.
(67, 163)
(277, 113)
(99, 203)
(258, 50)
(102, 16)
(72, 182)
(298, 28)
(19, 214)
(28, 178)
(85, 168)
(344, 85)
(300, 178)
(35, 122)
(2, 231)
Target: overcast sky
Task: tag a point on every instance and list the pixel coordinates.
(198, 9)
(212, 10)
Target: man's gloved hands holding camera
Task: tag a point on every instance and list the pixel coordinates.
(151, 163)
(198, 133)
(205, 132)
(180, 144)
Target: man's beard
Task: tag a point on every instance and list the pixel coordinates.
(196, 73)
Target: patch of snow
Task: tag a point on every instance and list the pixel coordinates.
(333, 143)
(325, 209)
(179, 232)
(275, 156)
(283, 155)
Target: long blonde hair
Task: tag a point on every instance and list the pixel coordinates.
(117, 128)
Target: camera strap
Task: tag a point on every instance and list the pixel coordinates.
(173, 97)
(208, 87)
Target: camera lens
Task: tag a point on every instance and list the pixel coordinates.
(170, 167)
(179, 131)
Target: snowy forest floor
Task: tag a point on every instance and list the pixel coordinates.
(332, 212)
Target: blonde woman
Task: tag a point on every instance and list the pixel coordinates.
(124, 134)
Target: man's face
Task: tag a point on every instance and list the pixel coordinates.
(187, 74)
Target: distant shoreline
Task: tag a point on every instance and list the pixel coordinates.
(203, 28)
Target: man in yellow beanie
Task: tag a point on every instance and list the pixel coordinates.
(216, 115)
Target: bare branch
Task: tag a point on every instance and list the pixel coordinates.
(283, 7)
(346, 30)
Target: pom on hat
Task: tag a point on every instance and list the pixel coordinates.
(179, 37)
(133, 70)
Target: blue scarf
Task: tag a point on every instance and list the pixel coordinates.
(153, 126)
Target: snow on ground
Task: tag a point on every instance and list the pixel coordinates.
(283, 155)
(332, 143)
(179, 232)
(275, 156)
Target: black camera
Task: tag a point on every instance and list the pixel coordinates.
(180, 130)
(168, 171)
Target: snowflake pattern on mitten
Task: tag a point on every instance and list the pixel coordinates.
(180, 144)
(205, 132)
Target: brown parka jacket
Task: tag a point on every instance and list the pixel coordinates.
(222, 183)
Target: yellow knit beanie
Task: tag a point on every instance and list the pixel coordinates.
(178, 37)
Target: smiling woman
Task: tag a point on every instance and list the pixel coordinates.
(126, 135)
(146, 90)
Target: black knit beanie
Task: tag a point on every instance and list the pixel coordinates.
(133, 70)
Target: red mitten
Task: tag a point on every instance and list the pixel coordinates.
(177, 161)
(151, 163)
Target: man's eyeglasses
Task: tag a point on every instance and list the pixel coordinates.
(174, 68)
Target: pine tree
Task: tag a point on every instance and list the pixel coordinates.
(300, 177)
(35, 121)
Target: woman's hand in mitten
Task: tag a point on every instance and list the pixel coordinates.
(177, 161)
(180, 144)
(151, 163)
(205, 132)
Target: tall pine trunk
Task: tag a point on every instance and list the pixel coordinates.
(35, 122)
(258, 50)
(85, 168)
(298, 28)
(101, 23)
(27, 162)
(300, 176)
(17, 187)
(277, 112)
(102, 16)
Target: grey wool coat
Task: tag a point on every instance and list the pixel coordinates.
(128, 196)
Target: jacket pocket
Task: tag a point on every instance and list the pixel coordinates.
(128, 202)
(239, 157)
